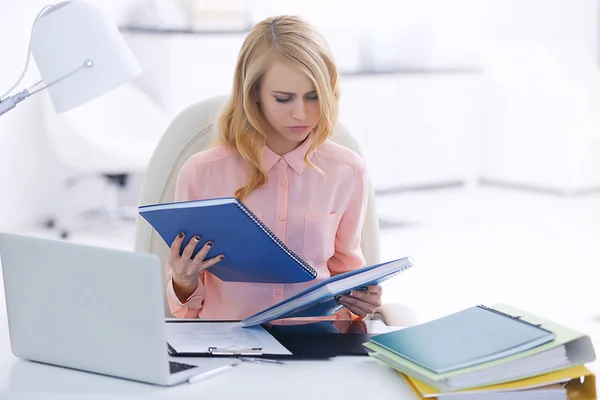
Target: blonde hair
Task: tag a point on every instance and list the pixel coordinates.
(241, 124)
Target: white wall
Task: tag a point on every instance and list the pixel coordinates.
(543, 95)
(550, 21)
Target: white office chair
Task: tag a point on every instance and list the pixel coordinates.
(194, 130)
(110, 138)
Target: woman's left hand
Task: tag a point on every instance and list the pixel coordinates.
(361, 302)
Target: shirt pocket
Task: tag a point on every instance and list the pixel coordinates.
(319, 236)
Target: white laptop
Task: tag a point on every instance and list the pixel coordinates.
(89, 308)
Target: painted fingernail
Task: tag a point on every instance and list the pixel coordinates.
(222, 257)
(364, 288)
(337, 298)
(180, 234)
(209, 244)
(196, 239)
(349, 293)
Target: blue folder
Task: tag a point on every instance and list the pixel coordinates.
(252, 252)
(466, 338)
(318, 300)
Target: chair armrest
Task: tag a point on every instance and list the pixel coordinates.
(396, 314)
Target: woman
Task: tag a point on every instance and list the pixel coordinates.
(275, 157)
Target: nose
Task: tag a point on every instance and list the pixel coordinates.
(299, 110)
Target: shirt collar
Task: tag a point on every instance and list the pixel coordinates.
(294, 158)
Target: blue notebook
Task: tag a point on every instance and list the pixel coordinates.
(317, 300)
(464, 339)
(252, 252)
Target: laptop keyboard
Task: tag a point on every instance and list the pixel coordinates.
(176, 367)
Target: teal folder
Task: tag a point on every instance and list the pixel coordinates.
(469, 337)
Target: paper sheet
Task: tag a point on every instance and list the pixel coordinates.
(190, 337)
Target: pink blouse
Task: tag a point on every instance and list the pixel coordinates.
(318, 216)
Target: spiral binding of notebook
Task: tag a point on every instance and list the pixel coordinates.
(309, 270)
(518, 319)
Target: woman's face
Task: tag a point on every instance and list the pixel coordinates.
(289, 104)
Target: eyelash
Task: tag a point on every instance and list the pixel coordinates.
(277, 99)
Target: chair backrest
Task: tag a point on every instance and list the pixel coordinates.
(192, 131)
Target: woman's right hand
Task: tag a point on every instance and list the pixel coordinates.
(186, 269)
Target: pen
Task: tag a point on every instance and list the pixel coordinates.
(260, 360)
(211, 374)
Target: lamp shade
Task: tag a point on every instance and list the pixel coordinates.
(68, 35)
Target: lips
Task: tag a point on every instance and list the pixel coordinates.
(299, 128)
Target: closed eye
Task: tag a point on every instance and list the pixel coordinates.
(282, 100)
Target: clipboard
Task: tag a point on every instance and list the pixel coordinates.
(304, 352)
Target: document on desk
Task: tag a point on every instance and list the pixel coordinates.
(190, 337)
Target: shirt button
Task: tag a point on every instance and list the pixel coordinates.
(282, 183)
(282, 218)
(278, 291)
(281, 161)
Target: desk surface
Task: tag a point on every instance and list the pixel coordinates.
(358, 377)
(354, 376)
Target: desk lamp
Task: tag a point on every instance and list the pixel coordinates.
(79, 53)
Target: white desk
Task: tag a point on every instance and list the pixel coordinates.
(357, 377)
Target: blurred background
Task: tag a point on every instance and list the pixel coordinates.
(479, 121)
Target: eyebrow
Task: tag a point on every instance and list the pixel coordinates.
(291, 94)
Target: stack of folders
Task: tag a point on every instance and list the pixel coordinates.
(490, 353)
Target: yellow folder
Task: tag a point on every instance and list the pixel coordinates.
(580, 384)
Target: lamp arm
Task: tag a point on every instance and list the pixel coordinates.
(10, 102)
(86, 64)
